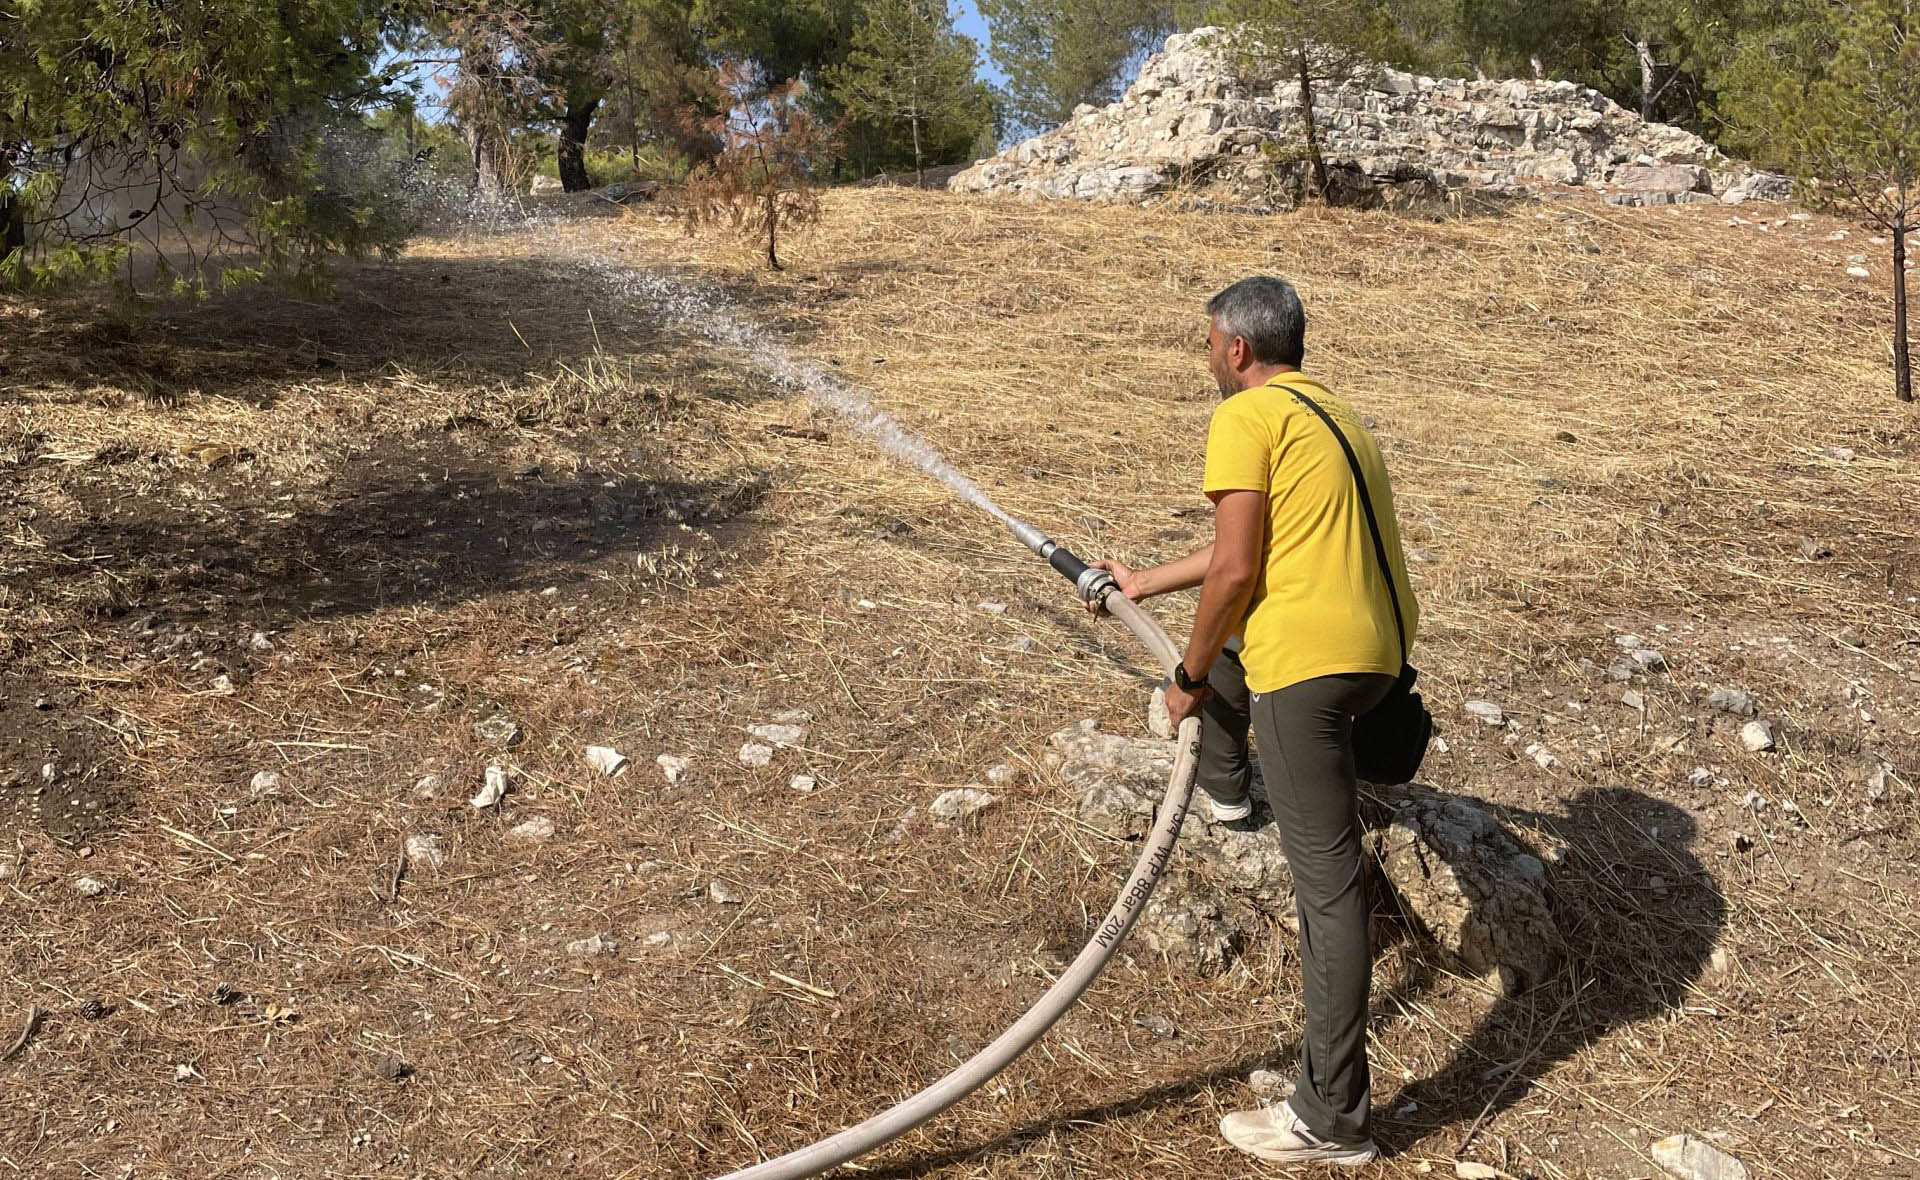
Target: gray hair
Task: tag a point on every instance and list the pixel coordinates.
(1266, 313)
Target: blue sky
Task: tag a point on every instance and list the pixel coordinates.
(968, 18)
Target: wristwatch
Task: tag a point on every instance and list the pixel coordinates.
(1186, 682)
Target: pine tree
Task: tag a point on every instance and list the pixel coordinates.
(1833, 95)
(764, 178)
(214, 137)
(1315, 43)
(1058, 54)
(908, 65)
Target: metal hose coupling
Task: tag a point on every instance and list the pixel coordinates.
(1093, 585)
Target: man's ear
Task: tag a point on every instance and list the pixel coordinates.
(1239, 352)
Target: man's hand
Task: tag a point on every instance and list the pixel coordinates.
(1182, 704)
(1124, 576)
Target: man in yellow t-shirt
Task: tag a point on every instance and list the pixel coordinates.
(1297, 634)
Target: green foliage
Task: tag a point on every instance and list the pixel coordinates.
(1313, 44)
(1058, 54)
(909, 67)
(192, 133)
(1831, 93)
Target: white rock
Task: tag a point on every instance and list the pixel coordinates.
(426, 847)
(1700, 776)
(804, 783)
(1633, 700)
(493, 790)
(223, 684)
(673, 766)
(429, 786)
(755, 754)
(599, 944)
(261, 641)
(722, 893)
(1487, 713)
(660, 938)
(1757, 736)
(1732, 700)
(792, 717)
(265, 782)
(537, 828)
(88, 887)
(607, 760)
(1159, 721)
(777, 734)
(994, 608)
(1542, 756)
(1629, 642)
(1753, 801)
(500, 729)
(1648, 658)
(1878, 781)
(1001, 775)
(951, 807)
(1689, 1158)
(1858, 272)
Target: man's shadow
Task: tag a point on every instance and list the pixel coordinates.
(1639, 914)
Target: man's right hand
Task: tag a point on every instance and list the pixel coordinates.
(1127, 578)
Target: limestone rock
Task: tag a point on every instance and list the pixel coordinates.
(1196, 130)
(1470, 885)
(1487, 713)
(536, 829)
(1663, 178)
(1732, 700)
(1159, 721)
(599, 944)
(1757, 736)
(1456, 873)
(1689, 1158)
(607, 760)
(425, 848)
(960, 804)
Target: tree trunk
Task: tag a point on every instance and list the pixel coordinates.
(1644, 52)
(919, 168)
(571, 154)
(773, 227)
(1316, 163)
(13, 221)
(1902, 362)
(489, 170)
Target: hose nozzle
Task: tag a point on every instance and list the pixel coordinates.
(1091, 584)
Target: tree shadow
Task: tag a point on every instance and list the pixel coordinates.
(1628, 961)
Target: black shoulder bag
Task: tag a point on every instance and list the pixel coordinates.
(1390, 741)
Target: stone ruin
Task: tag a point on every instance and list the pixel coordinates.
(1446, 868)
(1193, 128)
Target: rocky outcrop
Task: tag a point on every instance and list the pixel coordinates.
(1446, 868)
(1193, 125)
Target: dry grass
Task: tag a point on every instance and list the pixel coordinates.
(1598, 421)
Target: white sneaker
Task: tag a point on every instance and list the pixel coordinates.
(1226, 813)
(1276, 1133)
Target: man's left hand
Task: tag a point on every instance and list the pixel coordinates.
(1182, 704)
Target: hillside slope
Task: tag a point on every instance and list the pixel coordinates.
(283, 579)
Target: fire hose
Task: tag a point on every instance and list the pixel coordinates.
(1094, 586)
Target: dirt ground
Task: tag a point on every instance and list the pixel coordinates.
(281, 578)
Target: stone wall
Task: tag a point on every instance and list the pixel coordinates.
(1191, 122)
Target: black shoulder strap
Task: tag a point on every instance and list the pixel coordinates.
(1366, 502)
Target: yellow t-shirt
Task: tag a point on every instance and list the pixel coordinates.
(1320, 607)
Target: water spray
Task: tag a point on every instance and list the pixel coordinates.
(708, 314)
(1095, 586)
